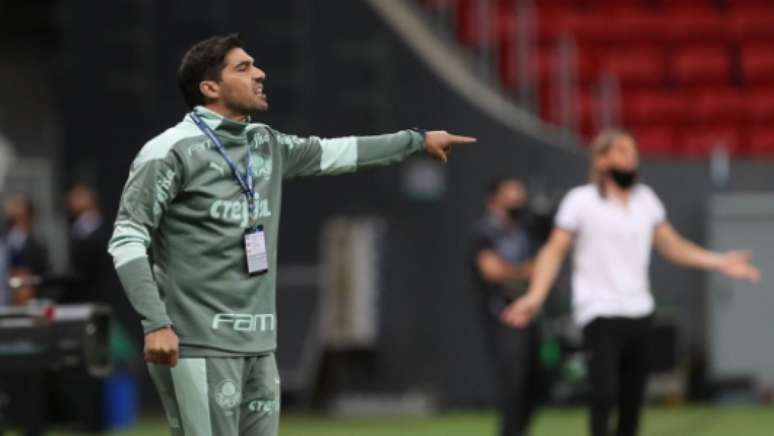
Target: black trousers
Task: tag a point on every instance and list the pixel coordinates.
(517, 368)
(26, 409)
(37, 398)
(618, 360)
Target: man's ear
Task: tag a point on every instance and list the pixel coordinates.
(209, 89)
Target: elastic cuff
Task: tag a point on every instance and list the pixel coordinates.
(418, 138)
(148, 326)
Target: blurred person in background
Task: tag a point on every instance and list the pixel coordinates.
(204, 197)
(95, 282)
(27, 256)
(95, 277)
(6, 158)
(4, 260)
(5, 263)
(89, 235)
(613, 223)
(502, 263)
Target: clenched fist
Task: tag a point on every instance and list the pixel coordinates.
(162, 347)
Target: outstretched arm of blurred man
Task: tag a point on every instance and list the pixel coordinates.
(733, 264)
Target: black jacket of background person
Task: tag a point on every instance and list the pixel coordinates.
(31, 255)
(96, 279)
(93, 268)
(511, 242)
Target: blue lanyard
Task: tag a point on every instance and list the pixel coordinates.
(245, 181)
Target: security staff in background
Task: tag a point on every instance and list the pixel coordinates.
(27, 256)
(4, 261)
(502, 263)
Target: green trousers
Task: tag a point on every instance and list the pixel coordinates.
(220, 396)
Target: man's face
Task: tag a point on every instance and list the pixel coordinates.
(78, 200)
(16, 209)
(622, 155)
(241, 86)
(512, 194)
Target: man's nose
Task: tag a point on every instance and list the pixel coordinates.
(259, 74)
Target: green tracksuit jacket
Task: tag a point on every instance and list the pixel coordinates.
(178, 243)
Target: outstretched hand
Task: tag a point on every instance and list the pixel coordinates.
(438, 143)
(519, 313)
(736, 265)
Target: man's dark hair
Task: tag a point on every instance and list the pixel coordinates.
(204, 61)
(494, 185)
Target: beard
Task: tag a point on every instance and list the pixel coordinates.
(246, 103)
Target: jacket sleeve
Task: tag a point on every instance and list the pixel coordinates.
(312, 156)
(152, 185)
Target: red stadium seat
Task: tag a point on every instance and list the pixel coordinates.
(662, 4)
(604, 4)
(750, 20)
(506, 29)
(549, 103)
(647, 107)
(759, 105)
(694, 22)
(757, 62)
(586, 108)
(547, 62)
(634, 65)
(702, 64)
(656, 141)
(554, 21)
(699, 142)
(641, 24)
(597, 26)
(718, 104)
(616, 21)
(587, 111)
(760, 142)
(627, 39)
(467, 25)
(469, 30)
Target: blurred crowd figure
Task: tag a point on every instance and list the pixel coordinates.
(33, 399)
(90, 270)
(3, 271)
(92, 276)
(94, 282)
(89, 236)
(26, 254)
(503, 252)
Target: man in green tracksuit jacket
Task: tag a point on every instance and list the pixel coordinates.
(195, 240)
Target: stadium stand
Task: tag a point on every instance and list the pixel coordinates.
(692, 74)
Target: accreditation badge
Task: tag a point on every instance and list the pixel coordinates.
(255, 248)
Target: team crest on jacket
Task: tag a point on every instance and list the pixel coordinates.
(262, 166)
(227, 394)
(262, 162)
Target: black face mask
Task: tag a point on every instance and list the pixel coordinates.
(516, 213)
(71, 217)
(624, 179)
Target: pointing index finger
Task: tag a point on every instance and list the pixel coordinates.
(458, 139)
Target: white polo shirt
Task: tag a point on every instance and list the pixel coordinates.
(613, 243)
